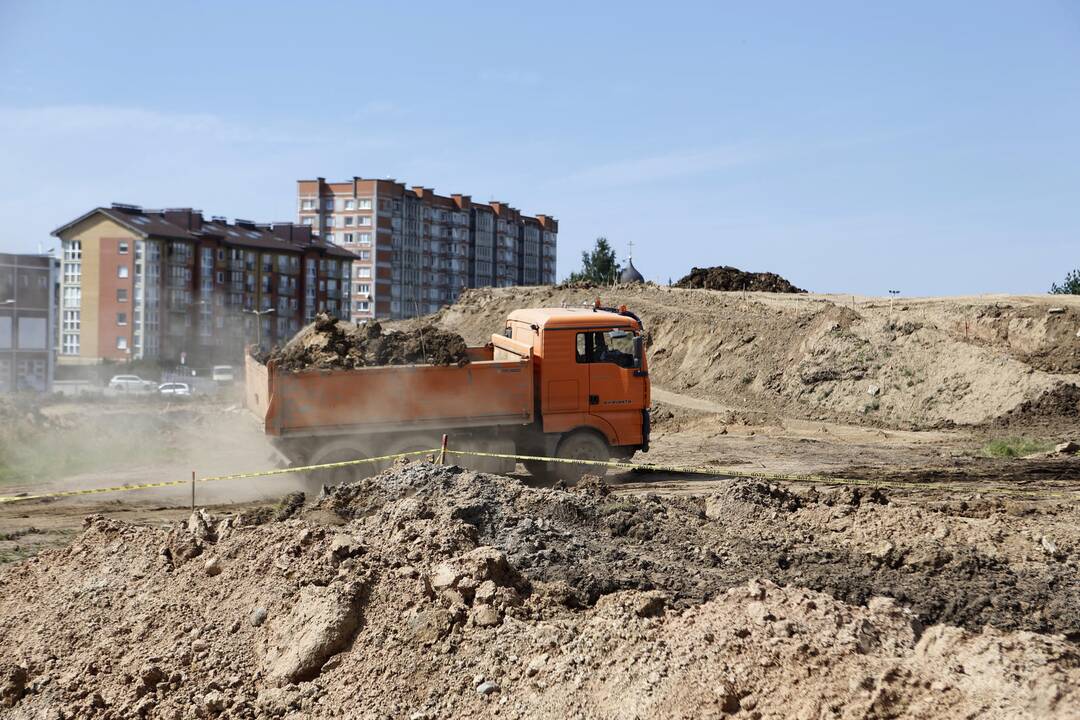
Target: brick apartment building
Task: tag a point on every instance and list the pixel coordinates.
(416, 250)
(27, 322)
(166, 284)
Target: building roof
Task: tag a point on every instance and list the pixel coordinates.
(630, 273)
(187, 224)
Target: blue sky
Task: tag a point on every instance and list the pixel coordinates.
(852, 147)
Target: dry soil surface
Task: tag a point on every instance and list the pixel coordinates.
(435, 592)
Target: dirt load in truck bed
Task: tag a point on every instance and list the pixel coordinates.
(336, 344)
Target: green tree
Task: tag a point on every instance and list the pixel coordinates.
(598, 266)
(1071, 285)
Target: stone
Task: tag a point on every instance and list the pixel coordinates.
(13, 679)
(431, 625)
(487, 688)
(343, 546)
(444, 576)
(321, 623)
(873, 390)
(212, 566)
(485, 616)
(485, 592)
(536, 665)
(258, 616)
(1067, 448)
(1055, 311)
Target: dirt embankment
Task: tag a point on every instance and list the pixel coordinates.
(328, 344)
(911, 364)
(434, 592)
(725, 277)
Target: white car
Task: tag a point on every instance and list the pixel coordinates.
(130, 383)
(222, 373)
(175, 389)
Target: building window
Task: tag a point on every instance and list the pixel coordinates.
(350, 204)
(328, 204)
(350, 220)
(363, 288)
(72, 319)
(309, 221)
(70, 344)
(307, 204)
(72, 297)
(122, 248)
(121, 295)
(364, 204)
(330, 237)
(364, 272)
(121, 318)
(363, 220)
(362, 305)
(348, 238)
(220, 277)
(121, 271)
(364, 238)
(121, 343)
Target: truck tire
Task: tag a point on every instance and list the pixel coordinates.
(337, 452)
(580, 445)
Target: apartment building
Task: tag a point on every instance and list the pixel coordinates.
(174, 286)
(27, 322)
(415, 250)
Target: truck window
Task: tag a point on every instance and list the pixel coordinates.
(610, 346)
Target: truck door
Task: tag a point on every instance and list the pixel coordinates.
(617, 388)
(565, 383)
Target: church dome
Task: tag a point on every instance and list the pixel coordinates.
(630, 274)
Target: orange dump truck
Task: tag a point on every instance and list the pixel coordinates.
(557, 382)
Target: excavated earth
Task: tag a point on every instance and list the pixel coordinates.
(328, 343)
(725, 277)
(432, 592)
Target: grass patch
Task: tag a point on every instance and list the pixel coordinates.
(1014, 447)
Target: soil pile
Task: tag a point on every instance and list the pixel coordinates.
(725, 277)
(435, 592)
(913, 364)
(333, 344)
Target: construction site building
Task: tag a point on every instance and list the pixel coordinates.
(415, 250)
(27, 322)
(173, 286)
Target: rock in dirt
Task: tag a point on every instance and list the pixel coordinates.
(328, 343)
(728, 278)
(321, 623)
(13, 679)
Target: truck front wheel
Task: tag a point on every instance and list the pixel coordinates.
(581, 445)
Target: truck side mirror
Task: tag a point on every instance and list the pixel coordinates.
(639, 346)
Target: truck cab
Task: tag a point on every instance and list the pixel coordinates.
(591, 378)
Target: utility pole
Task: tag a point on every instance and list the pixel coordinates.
(258, 323)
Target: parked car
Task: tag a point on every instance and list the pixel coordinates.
(175, 389)
(130, 383)
(222, 374)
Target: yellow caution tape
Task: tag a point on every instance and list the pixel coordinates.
(765, 475)
(212, 478)
(647, 467)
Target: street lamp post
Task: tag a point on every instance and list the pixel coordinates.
(258, 323)
(14, 374)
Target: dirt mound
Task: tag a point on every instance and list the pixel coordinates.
(725, 277)
(1054, 405)
(328, 343)
(912, 365)
(436, 592)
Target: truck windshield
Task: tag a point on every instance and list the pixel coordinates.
(606, 346)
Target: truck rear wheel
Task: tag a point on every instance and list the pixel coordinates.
(335, 453)
(581, 445)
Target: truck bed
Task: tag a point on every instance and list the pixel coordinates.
(485, 392)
